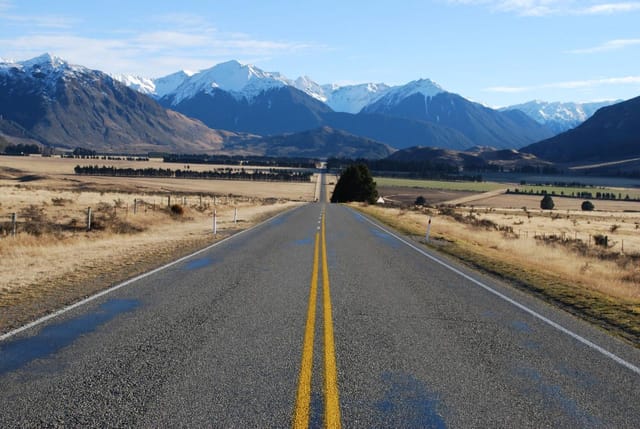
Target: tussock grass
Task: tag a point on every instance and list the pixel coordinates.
(601, 285)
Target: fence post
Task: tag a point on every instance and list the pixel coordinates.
(169, 201)
(428, 230)
(89, 219)
(135, 205)
(14, 221)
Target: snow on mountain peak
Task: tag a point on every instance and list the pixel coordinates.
(307, 85)
(353, 98)
(242, 81)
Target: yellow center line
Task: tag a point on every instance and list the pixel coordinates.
(303, 397)
(331, 397)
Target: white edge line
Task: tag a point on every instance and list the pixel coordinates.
(134, 279)
(533, 313)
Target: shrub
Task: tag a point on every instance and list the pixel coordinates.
(176, 210)
(587, 206)
(547, 202)
(601, 240)
(420, 201)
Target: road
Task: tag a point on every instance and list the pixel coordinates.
(316, 316)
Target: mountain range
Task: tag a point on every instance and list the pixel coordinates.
(235, 107)
(559, 117)
(611, 134)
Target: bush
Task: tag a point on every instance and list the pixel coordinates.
(176, 210)
(355, 184)
(587, 206)
(420, 201)
(547, 202)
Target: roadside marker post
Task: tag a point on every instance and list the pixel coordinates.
(14, 221)
(89, 219)
(235, 215)
(428, 230)
(215, 223)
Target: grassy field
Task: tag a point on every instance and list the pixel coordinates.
(53, 260)
(549, 253)
(440, 185)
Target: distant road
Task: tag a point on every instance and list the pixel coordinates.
(383, 335)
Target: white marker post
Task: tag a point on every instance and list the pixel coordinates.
(215, 223)
(235, 215)
(428, 230)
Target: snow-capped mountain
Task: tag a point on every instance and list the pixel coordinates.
(309, 87)
(352, 98)
(240, 80)
(424, 100)
(47, 69)
(559, 116)
(394, 96)
(248, 81)
(61, 104)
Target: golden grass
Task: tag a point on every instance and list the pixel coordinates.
(601, 285)
(64, 262)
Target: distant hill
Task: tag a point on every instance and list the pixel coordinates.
(318, 143)
(612, 133)
(474, 159)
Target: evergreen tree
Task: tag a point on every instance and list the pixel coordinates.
(587, 206)
(355, 184)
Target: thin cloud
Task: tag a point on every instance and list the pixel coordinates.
(552, 7)
(611, 45)
(611, 8)
(152, 53)
(577, 84)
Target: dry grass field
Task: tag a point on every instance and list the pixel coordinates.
(551, 253)
(53, 260)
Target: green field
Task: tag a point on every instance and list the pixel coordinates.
(442, 185)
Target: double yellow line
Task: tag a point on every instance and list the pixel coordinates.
(303, 397)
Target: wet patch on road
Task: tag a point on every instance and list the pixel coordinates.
(553, 397)
(18, 353)
(303, 242)
(197, 264)
(408, 403)
(521, 326)
(388, 239)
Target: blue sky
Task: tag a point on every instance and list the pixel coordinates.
(498, 52)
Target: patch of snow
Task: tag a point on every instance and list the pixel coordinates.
(569, 113)
(308, 86)
(141, 84)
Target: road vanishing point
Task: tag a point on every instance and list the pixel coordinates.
(318, 317)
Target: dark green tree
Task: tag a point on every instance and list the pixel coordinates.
(355, 184)
(587, 206)
(420, 201)
(547, 202)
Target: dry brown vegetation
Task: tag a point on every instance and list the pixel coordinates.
(551, 253)
(137, 224)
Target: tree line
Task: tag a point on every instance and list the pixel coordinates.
(270, 175)
(261, 161)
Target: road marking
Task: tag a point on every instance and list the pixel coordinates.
(303, 397)
(331, 397)
(133, 280)
(523, 307)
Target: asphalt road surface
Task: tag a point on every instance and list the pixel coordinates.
(316, 317)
